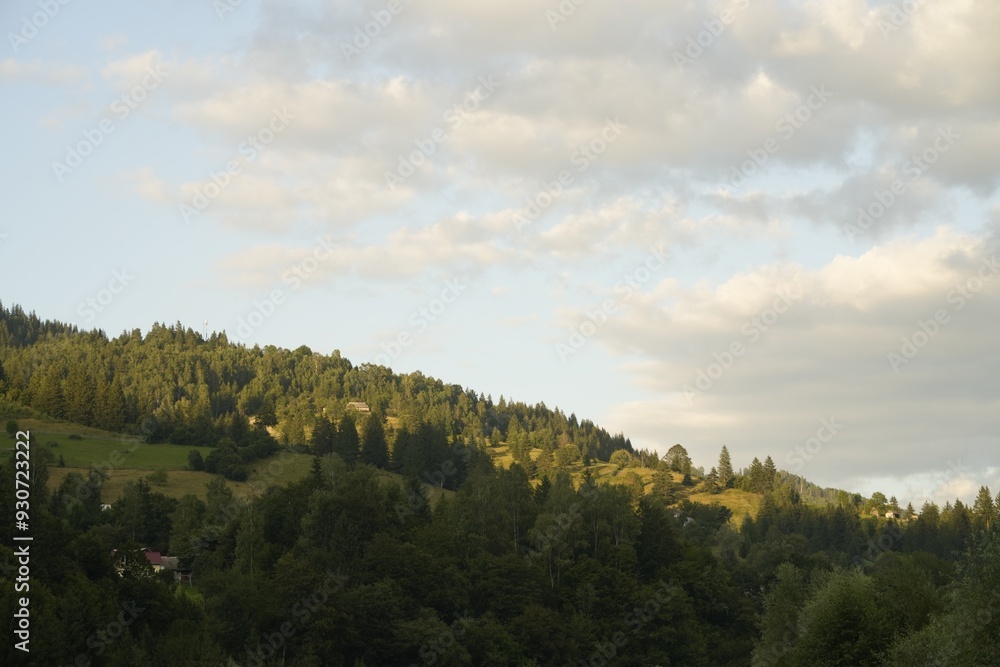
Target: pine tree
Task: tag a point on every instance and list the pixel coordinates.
(323, 436)
(266, 415)
(109, 406)
(664, 487)
(49, 397)
(347, 444)
(374, 449)
(79, 397)
(983, 508)
(712, 481)
(725, 471)
(756, 475)
(239, 429)
(293, 431)
(770, 472)
(546, 458)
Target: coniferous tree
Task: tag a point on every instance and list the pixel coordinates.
(546, 459)
(109, 406)
(756, 476)
(712, 481)
(323, 436)
(49, 396)
(983, 509)
(293, 431)
(770, 472)
(79, 397)
(725, 470)
(374, 449)
(267, 415)
(347, 444)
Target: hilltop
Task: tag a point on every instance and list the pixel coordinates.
(242, 407)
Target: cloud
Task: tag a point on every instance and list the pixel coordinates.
(35, 71)
(825, 356)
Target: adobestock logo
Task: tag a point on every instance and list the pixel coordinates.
(913, 168)
(630, 283)
(122, 107)
(295, 277)
(454, 116)
(31, 25)
(827, 431)
(582, 158)
(752, 329)
(90, 307)
(250, 149)
(420, 320)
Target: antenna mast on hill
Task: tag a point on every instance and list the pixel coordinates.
(205, 335)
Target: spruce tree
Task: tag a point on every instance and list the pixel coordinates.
(347, 443)
(323, 436)
(374, 449)
(770, 472)
(756, 476)
(725, 470)
(79, 397)
(983, 508)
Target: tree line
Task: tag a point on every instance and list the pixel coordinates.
(174, 385)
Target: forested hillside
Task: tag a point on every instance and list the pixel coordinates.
(173, 385)
(521, 559)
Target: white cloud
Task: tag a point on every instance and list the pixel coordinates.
(36, 71)
(826, 356)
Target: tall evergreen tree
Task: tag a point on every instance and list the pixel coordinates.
(770, 472)
(109, 406)
(725, 470)
(347, 444)
(266, 415)
(983, 509)
(323, 436)
(756, 476)
(49, 396)
(712, 481)
(374, 449)
(79, 396)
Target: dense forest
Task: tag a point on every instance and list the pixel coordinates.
(518, 564)
(174, 385)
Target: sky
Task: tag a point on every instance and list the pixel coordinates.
(770, 225)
